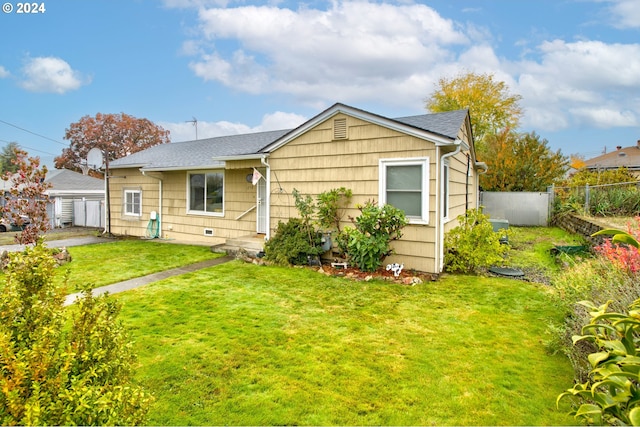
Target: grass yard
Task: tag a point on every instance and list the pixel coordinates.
(240, 344)
(106, 263)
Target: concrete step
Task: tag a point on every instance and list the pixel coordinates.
(248, 245)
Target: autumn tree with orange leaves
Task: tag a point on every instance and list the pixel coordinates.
(117, 135)
(521, 162)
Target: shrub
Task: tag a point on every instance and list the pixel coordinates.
(293, 243)
(369, 242)
(59, 366)
(473, 245)
(600, 279)
(612, 393)
(622, 249)
(330, 207)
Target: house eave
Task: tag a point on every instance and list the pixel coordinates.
(182, 168)
(257, 156)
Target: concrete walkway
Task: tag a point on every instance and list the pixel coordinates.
(140, 281)
(128, 284)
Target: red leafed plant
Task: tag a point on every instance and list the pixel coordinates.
(26, 204)
(625, 256)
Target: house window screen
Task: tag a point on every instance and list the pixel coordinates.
(133, 202)
(404, 188)
(206, 192)
(404, 183)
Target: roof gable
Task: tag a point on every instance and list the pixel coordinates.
(440, 128)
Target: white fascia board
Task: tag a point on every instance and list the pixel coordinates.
(359, 114)
(183, 168)
(241, 157)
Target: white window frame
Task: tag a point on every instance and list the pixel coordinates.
(188, 201)
(411, 161)
(446, 195)
(128, 208)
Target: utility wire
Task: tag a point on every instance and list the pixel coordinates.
(33, 133)
(29, 148)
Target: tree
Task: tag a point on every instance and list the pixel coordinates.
(117, 135)
(521, 162)
(60, 366)
(27, 204)
(7, 157)
(491, 106)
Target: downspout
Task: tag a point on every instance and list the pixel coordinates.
(440, 214)
(482, 169)
(160, 181)
(263, 160)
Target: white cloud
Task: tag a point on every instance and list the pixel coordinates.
(396, 55)
(331, 54)
(50, 74)
(586, 83)
(186, 131)
(626, 13)
(4, 73)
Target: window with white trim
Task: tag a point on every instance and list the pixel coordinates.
(206, 192)
(133, 202)
(404, 183)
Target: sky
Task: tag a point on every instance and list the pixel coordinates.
(240, 66)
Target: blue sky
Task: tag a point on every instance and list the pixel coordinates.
(243, 66)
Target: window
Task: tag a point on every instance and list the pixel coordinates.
(133, 202)
(206, 192)
(404, 183)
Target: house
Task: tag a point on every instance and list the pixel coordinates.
(202, 191)
(627, 157)
(75, 199)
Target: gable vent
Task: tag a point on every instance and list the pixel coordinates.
(340, 129)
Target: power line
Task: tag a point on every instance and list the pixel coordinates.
(29, 148)
(33, 133)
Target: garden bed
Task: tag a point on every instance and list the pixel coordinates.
(405, 277)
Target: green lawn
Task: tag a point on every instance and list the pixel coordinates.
(240, 344)
(106, 263)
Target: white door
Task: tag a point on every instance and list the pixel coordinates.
(261, 206)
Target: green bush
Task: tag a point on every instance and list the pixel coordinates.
(473, 245)
(611, 395)
(62, 366)
(369, 242)
(293, 243)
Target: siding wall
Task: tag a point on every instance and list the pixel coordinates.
(314, 163)
(176, 223)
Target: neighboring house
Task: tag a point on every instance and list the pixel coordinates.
(76, 199)
(203, 191)
(627, 157)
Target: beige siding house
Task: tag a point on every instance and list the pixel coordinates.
(203, 191)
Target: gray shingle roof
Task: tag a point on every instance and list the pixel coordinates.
(66, 180)
(445, 124)
(200, 154)
(628, 157)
